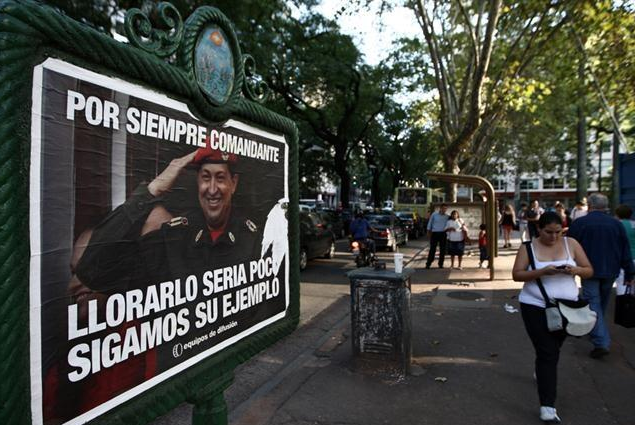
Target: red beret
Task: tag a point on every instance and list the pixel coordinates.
(207, 155)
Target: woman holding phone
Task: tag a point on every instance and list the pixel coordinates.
(558, 259)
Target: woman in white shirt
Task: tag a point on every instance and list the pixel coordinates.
(557, 260)
(455, 229)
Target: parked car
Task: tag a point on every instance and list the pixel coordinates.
(389, 231)
(334, 221)
(313, 204)
(412, 222)
(316, 239)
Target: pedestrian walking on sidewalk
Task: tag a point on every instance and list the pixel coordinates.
(456, 230)
(533, 215)
(557, 261)
(482, 246)
(437, 235)
(522, 223)
(624, 214)
(579, 210)
(561, 211)
(604, 240)
(508, 221)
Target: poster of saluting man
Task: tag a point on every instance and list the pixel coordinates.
(157, 239)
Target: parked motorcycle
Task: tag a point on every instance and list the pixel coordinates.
(364, 257)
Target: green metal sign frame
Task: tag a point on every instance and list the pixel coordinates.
(160, 57)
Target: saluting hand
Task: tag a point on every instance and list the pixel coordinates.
(164, 181)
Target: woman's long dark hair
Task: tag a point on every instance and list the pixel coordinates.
(547, 218)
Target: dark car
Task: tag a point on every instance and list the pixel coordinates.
(334, 221)
(389, 231)
(412, 222)
(316, 239)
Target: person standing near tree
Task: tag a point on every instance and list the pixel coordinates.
(456, 231)
(604, 240)
(560, 210)
(533, 215)
(507, 222)
(437, 235)
(522, 223)
(579, 210)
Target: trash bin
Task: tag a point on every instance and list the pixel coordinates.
(380, 316)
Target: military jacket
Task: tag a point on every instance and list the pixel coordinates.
(117, 258)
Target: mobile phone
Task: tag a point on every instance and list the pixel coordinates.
(562, 267)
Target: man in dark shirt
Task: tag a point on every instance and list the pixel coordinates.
(604, 241)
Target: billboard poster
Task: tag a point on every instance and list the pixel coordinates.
(157, 239)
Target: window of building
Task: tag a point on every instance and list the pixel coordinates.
(499, 184)
(528, 184)
(553, 183)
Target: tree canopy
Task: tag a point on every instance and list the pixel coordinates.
(488, 86)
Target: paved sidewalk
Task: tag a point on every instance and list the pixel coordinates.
(461, 332)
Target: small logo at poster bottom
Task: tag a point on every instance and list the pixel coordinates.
(177, 351)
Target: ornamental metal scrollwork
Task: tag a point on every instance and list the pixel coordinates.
(161, 41)
(254, 88)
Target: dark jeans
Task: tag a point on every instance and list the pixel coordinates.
(437, 238)
(482, 254)
(547, 346)
(597, 291)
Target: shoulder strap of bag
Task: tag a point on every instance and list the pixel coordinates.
(532, 261)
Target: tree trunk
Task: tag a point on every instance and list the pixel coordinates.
(581, 180)
(615, 180)
(451, 165)
(396, 178)
(517, 198)
(345, 189)
(340, 165)
(600, 148)
(374, 190)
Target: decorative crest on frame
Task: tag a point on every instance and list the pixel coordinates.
(254, 87)
(161, 41)
(207, 48)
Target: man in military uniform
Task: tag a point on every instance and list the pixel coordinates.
(141, 244)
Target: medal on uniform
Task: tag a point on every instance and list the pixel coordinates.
(251, 225)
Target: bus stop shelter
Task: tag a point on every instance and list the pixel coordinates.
(490, 209)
